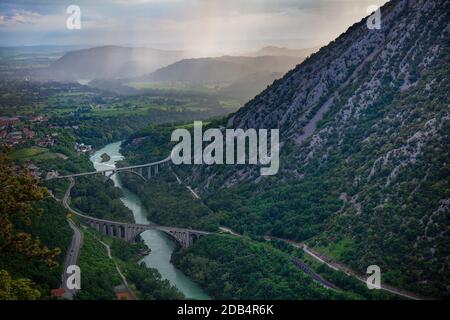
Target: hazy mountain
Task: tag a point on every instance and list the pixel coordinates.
(249, 86)
(234, 76)
(222, 70)
(364, 129)
(110, 62)
(280, 51)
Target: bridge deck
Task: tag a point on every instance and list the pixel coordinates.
(113, 169)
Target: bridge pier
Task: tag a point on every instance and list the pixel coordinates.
(184, 237)
(125, 232)
(108, 176)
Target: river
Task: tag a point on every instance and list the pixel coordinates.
(159, 243)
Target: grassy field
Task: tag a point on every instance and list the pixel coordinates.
(35, 154)
(170, 86)
(336, 249)
(27, 153)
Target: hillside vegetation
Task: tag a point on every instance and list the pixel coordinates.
(364, 130)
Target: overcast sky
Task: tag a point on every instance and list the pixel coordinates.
(208, 26)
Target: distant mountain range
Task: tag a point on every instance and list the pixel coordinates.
(110, 62)
(225, 69)
(284, 52)
(231, 76)
(238, 76)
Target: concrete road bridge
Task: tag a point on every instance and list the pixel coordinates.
(144, 171)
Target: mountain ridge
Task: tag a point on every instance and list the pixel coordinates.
(363, 128)
(221, 69)
(110, 62)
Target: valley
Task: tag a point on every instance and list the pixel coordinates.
(359, 147)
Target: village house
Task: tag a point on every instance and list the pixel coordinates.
(4, 121)
(38, 119)
(51, 174)
(33, 170)
(45, 142)
(14, 137)
(83, 148)
(28, 133)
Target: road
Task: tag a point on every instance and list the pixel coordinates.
(339, 267)
(124, 280)
(228, 230)
(194, 194)
(71, 258)
(74, 249)
(75, 245)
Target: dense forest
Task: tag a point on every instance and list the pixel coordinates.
(170, 203)
(34, 236)
(91, 195)
(237, 268)
(100, 275)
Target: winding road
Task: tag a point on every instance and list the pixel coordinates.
(74, 249)
(71, 258)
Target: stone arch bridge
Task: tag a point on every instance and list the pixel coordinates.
(129, 231)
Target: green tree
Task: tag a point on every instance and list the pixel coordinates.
(18, 192)
(16, 289)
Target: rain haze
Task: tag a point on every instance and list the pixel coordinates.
(206, 27)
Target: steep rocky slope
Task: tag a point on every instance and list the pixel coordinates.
(364, 129)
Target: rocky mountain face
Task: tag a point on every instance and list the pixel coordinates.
(364, 129)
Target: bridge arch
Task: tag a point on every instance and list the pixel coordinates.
(126, 170)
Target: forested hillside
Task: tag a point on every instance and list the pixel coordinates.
(34, 236)
(365, 141)
(364, 136)
(232, 268)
